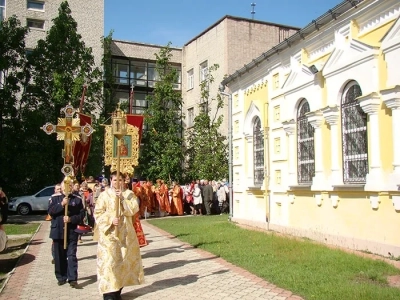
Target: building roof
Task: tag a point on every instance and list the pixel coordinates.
(239, 19)
(312, 27)
(144, 44)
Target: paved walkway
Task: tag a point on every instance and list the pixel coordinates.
(173, 270)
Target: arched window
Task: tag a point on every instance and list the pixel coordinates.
(305, 145)
(354, 136)
(258, 152)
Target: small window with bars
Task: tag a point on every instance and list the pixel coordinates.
(354, 136)
(305, 145)
(258, 152)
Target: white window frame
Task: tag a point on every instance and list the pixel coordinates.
(35, 2)
(190, 116)
(190, 79)
(203, 71)
(36, 21)
(3, 8)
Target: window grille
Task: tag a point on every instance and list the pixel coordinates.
(258, 152)
(354, 136)
(305, 146)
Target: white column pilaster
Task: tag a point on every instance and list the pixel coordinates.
(316, 119)
(375, 178)
(250, 160)
(331, 115)
(391, 98)
(290, 129)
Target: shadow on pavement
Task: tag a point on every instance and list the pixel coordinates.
(26, 259)
(88, 257)
(171, 265)
(85, 281)
(162, 252)
(160, 285)
(87, 244)
(37, 242)
(167, 283)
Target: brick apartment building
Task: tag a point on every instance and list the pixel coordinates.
(230, 42)
(38, 15)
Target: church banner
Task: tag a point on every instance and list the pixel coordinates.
(130, 145)
(82, 147)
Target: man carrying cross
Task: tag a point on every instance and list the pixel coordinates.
(66, 209)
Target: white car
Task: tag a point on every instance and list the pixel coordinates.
(24, 205)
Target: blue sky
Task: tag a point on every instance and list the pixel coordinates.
(178, 21)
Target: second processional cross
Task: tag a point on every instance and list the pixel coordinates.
(68, 129)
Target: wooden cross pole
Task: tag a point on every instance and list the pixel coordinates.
(119, 130)
(68, 129)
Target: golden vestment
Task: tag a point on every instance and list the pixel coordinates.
(119, 263)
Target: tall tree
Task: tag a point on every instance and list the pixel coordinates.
(162, 153)
(62, 64)
(207, 152)
(106, 107)
(14, 76)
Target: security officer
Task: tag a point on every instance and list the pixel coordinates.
(65, 260)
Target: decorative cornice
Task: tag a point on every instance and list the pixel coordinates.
(289, 126)
(255, 87)
(331, 114)
(370, 103)
(315, 118)
(391, 97)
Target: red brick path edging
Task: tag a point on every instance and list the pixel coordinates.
(19, 275)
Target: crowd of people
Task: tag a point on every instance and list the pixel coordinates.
(200, 197)
(112, 210)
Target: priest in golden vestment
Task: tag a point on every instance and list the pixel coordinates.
(119, 263)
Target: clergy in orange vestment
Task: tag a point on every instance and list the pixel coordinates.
(176, 203)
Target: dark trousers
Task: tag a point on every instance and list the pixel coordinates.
(65, 260)
(113, 295)
(207, 207)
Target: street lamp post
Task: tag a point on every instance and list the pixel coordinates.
(230, 166)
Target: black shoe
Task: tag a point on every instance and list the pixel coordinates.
(73, 284)
(62, 282)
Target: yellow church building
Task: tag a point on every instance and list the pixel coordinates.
(316, 131)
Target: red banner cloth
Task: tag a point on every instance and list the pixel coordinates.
(136, 120)
(82, 147)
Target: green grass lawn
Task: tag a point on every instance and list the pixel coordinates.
(306, 268)
(12, 229)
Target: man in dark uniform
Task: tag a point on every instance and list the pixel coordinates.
(65, 260)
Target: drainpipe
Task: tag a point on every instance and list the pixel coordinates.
(267, 164)
(230, 166)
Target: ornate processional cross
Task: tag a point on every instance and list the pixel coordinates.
(68, 129)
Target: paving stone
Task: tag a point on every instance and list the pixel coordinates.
(173, 270)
